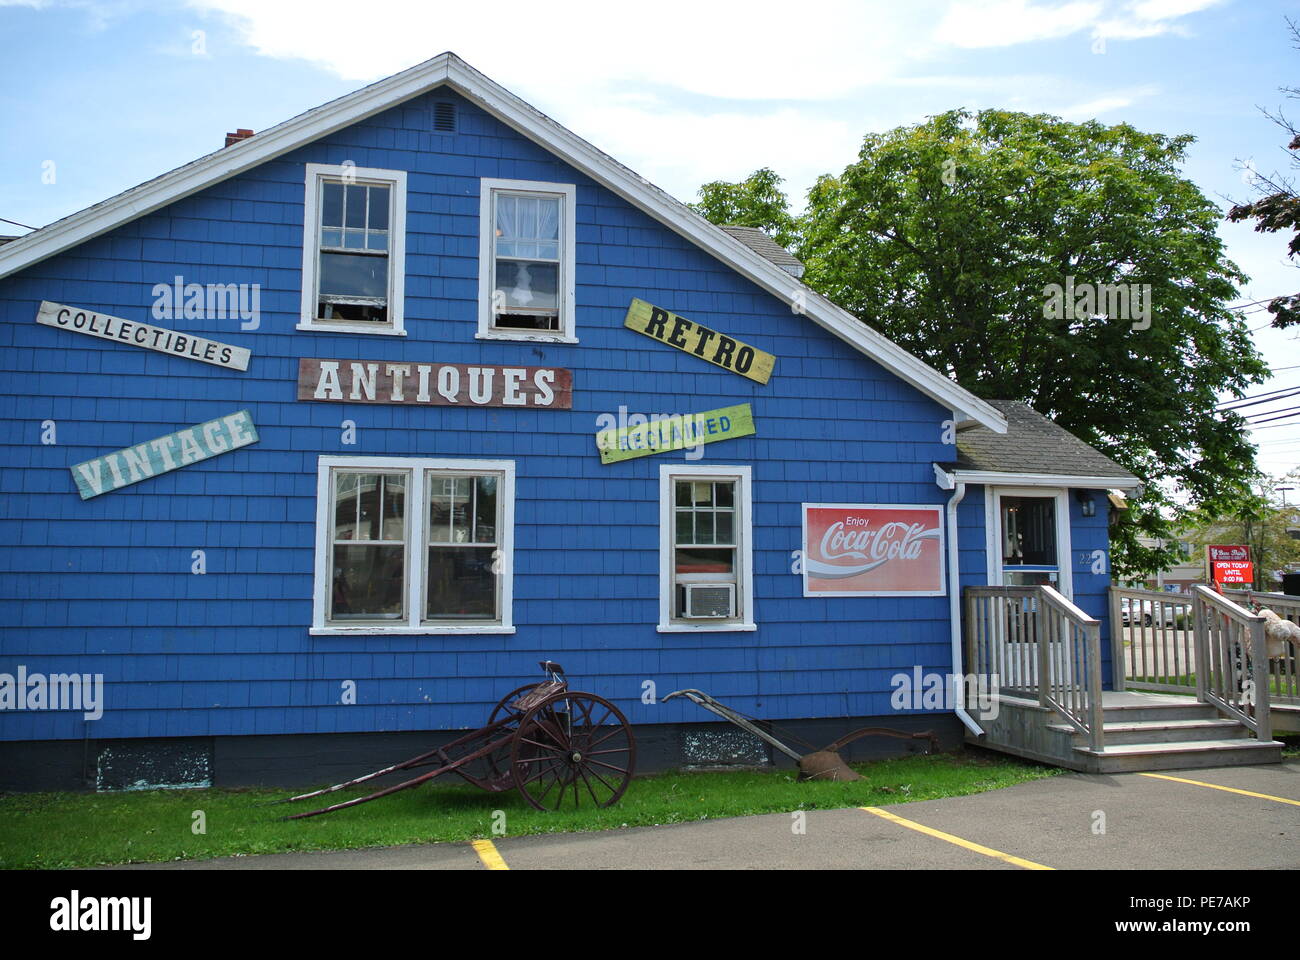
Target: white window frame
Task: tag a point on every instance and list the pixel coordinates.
(395, 180)
(489, 187)
(416, 546)
(742, 475)
(993, 533)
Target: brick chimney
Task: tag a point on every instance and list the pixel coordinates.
(240, 134)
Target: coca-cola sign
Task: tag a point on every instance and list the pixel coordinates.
(872, 550)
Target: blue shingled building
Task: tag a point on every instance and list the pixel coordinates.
(301, 457)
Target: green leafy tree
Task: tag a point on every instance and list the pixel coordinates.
(757, 201)
(968, 238)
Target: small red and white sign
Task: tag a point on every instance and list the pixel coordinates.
(872, 550)
(1223, 553)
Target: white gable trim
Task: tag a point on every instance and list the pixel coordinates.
(450, 69)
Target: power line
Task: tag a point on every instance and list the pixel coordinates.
(1267, 397)
(1271, 415)
(17, 224)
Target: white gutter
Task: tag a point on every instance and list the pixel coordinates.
(954, 597)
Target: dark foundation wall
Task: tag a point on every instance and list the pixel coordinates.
(293, 761)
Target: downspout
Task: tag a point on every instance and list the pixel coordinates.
(958, 488)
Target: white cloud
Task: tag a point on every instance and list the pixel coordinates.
(1004, 23)
(1093, 109)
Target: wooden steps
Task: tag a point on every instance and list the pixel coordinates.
(1141, 732)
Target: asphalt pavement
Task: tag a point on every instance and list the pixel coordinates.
(1215, 819)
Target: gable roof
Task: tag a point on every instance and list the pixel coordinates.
(767, 248)
(1033, 446)
(448, 69)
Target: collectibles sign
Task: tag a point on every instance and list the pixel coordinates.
(436, 384)
(142, 335)
(176, 450)
(694, 338)
(1230, 563)
(872, 550)
(677, 432)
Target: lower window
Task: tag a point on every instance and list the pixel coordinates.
(413, 545)
(706, 571)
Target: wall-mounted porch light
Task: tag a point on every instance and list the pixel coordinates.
(1087, 505)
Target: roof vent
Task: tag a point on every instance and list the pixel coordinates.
(240, 134)
(444, 117)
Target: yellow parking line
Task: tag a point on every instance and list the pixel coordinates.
(1215, 786)
(487, 852)
(930, 831)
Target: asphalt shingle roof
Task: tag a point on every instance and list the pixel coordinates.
(766, 247)
(1032, 444)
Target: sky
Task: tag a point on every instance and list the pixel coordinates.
(99, 95)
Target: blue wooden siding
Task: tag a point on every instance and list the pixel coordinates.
(104, 586)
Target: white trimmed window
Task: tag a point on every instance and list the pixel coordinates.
(706, 570)
(354, 250)
(414, 545)
(526, 260)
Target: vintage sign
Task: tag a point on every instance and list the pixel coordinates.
(437, 384)
(676, 432)
(873, 550)
(697, 339)
(142, 335)
(144, 460)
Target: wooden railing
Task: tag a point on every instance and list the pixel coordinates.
(1033, 642)
(1231, 660)
(1283, 669)
(1156, 648)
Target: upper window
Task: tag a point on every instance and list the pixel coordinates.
(413, 545)
(706, 572)
(526, 260)
(354, 250)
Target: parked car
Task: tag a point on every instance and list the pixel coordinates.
(1147, 612)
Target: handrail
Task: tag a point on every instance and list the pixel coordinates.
(1160, 652)
(1232, 670)
(1063, 668)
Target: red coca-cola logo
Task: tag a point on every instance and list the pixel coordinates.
(868, 550)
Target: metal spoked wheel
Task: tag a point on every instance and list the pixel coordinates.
(573, 750)
(498, 761)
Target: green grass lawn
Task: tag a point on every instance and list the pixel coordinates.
(53, 830)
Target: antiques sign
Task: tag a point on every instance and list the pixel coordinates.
(677, 432)
(695, 338)
(142, 335)
(437, 384)
(125, 467)
(872, 550)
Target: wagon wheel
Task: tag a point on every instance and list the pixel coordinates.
(573, 749)
(498, 761)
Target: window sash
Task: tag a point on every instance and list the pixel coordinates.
(735, 495)
(540, 307)
(477, 573)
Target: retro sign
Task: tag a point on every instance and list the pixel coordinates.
(435, 384)
(696, 339)
(873, 550)
(202, 442)
(144, 335)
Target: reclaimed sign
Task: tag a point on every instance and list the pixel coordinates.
(142, 335)
(872, 550)
(677, 432)
(202, 442)
(694, 338)
(439, 384)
